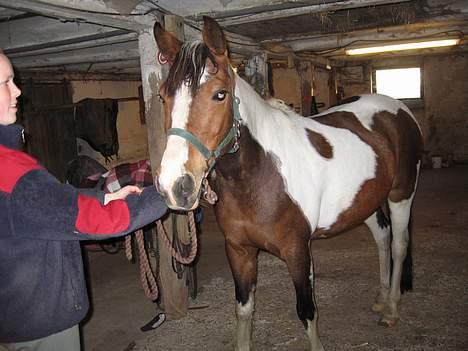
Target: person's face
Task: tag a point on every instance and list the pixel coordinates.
(9, 92)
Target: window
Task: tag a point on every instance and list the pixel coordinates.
(399, 83)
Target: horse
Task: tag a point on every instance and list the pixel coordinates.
(96, 122)
(282, 179)
(84, 172)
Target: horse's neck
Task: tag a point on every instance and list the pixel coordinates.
(252, 106)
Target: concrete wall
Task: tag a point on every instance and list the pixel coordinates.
(446, 105)
(132, 133)
(443, 113)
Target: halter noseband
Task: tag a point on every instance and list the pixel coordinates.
(233, 134)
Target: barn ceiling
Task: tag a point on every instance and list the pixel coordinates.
(100, 37)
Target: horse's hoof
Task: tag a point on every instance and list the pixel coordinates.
(378, 307)
(388, 322)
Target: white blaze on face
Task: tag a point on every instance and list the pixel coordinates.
(176, 153)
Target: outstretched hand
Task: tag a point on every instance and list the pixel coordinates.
(122, 193)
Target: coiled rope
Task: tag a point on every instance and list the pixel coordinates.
(147, 277)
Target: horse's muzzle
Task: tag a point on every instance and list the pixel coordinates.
(182, 195)
(184, 191)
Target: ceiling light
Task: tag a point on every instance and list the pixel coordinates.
(404, 46)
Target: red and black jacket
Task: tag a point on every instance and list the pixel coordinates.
(42, 287)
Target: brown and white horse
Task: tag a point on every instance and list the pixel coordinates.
(282, 179)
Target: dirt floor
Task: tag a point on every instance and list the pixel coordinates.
(433, 317)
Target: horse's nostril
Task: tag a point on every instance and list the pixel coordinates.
(183, 187)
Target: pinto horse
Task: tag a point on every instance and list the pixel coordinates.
(282, 179)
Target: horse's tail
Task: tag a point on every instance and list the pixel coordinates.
(406, 283)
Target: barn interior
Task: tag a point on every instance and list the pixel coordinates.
(65, 51)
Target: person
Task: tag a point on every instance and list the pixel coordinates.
(43, 293)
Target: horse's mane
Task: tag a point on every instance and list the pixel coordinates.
(188, 67)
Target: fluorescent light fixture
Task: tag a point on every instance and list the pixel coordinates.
(404, 46)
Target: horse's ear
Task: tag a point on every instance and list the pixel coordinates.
(213, 36)
(168, 44)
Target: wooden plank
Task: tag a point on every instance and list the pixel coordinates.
(409, 31)
(249, 15)
(105, 53)
(38, 32)
(67, 10)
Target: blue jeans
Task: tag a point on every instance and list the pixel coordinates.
(66, 340)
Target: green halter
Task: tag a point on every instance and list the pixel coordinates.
(233, 134)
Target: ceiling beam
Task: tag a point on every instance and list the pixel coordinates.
(37, 32)
(68, 12)
(86, 42)
(337, 40)
(59, 76)
(249, 15)
(105, 53)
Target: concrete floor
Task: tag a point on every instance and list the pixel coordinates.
(434, 316)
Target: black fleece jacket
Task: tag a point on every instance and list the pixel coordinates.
(42, 286)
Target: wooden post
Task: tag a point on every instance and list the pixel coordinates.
(256, 73)
(174, 292)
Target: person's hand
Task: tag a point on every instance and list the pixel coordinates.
(122, 193)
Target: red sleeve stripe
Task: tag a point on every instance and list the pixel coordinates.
(15, 164)
(94, 218)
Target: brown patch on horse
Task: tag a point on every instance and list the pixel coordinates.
(374, 191)
(320, 143)
(405, 138)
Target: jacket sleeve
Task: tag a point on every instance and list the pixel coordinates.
(44, 208)
(94, 192)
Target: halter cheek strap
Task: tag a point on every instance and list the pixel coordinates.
(233, 134)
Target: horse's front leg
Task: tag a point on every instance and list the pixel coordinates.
(243, 262)
(301, 269)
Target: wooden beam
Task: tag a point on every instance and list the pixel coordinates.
(37, 32)
(99, 14)
(255, 14)
(91, 56)
(409, 31)
(59, 76)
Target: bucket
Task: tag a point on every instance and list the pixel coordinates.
(436, 162)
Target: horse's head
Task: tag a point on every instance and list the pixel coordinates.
(199, 105)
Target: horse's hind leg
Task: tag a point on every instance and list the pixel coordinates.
(379, 226)
(400, 215)
(301, 269)
(243, 262)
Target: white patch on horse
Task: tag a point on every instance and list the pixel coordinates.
(322, 188)
(367, 106)
(204, 77)
(244, 315)
(176, 153)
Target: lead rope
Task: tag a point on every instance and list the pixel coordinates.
(208, 194)
(147, 278)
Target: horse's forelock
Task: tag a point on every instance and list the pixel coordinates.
(188, 67)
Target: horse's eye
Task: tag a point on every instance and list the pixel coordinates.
(161, 98)
(220, 95)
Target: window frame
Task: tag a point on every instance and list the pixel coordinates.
(411, 102)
